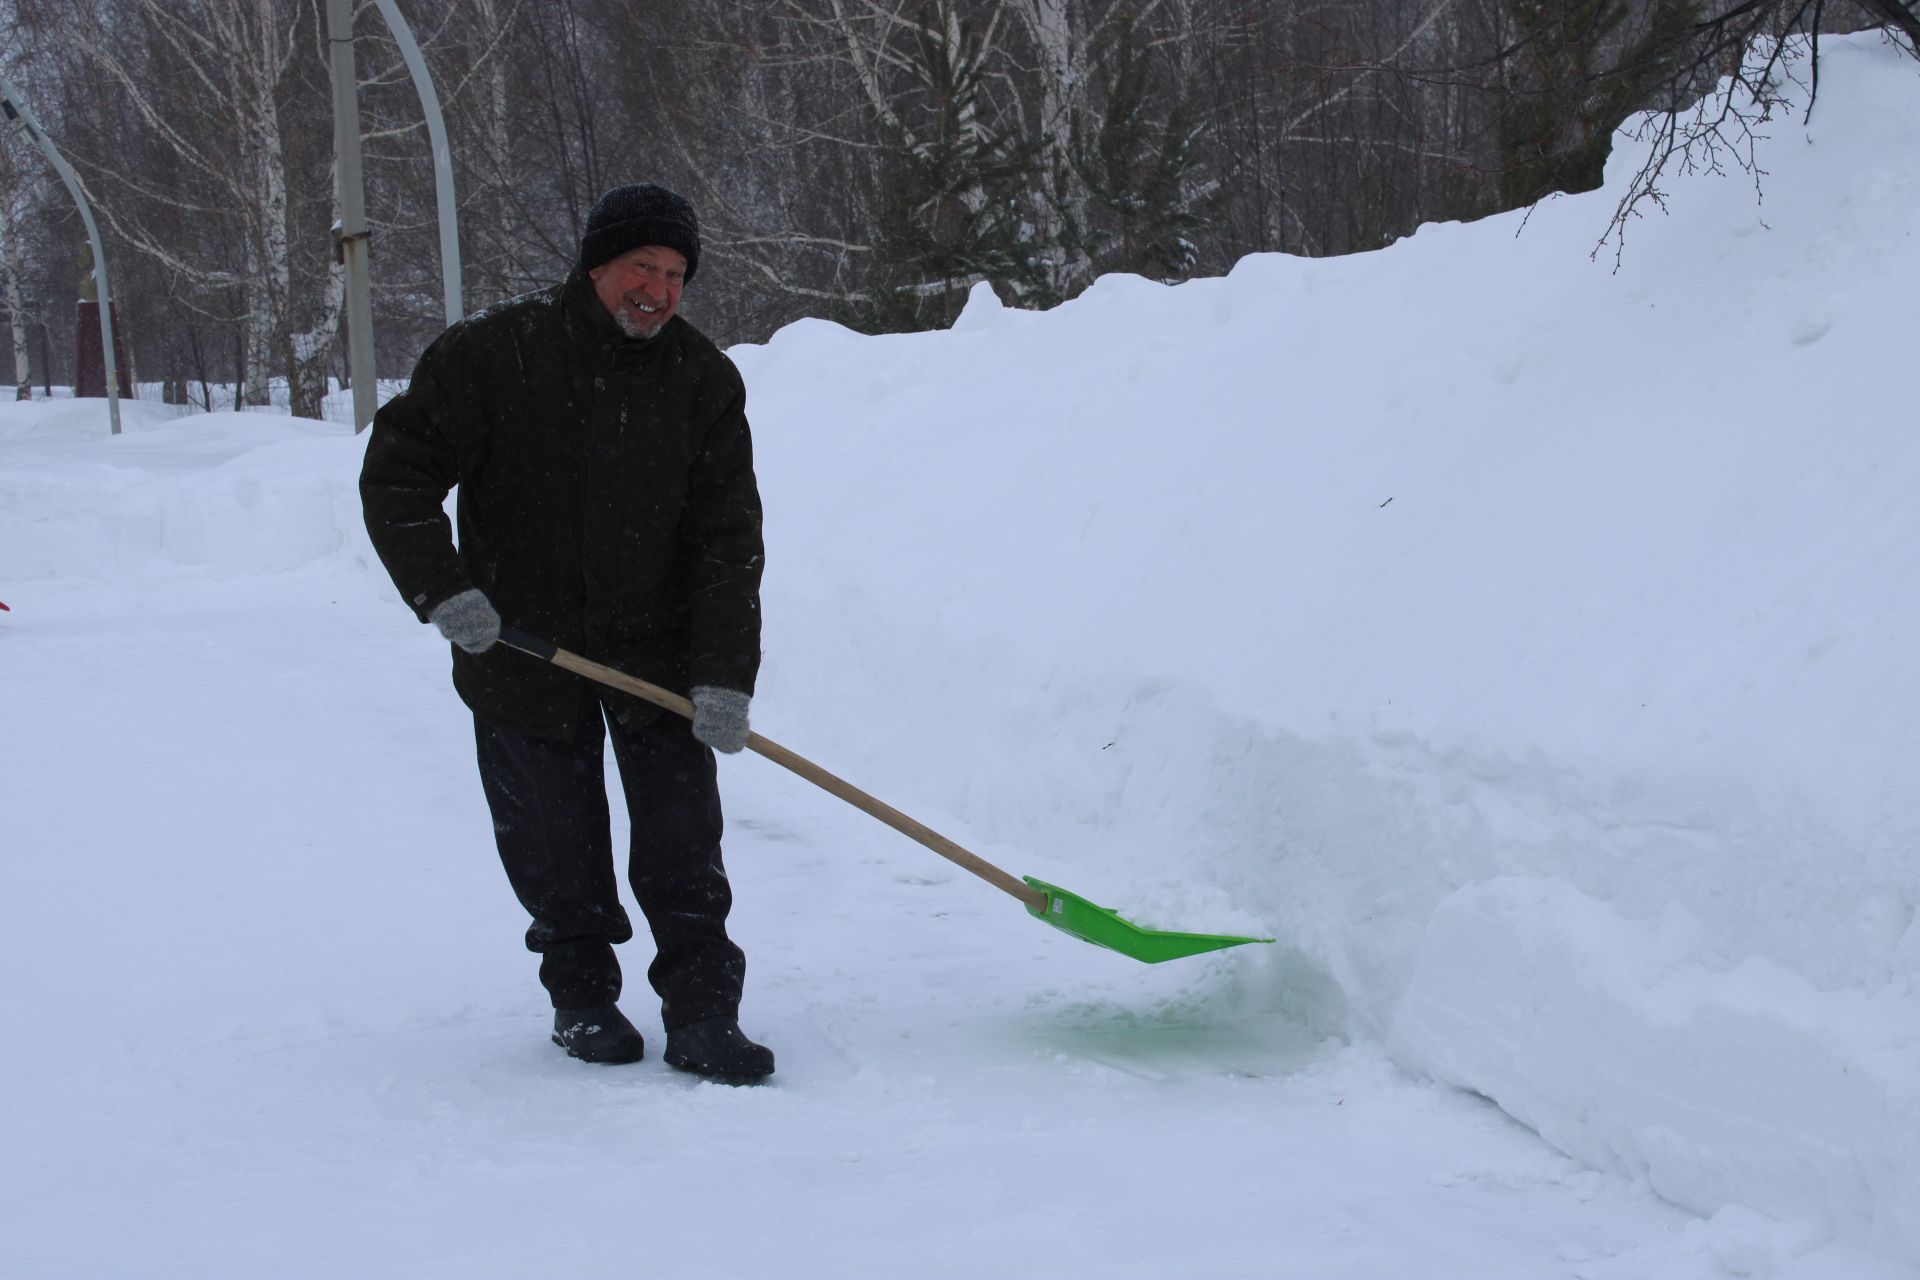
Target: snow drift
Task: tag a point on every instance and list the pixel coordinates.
(1527, 643)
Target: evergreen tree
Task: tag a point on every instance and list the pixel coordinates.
(953, 191)
(1555, 128)
(1142, 178)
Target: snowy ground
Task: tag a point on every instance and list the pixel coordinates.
(1527, 646)
(270, 1017)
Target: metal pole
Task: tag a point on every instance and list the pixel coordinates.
(17, 112)
(442, 157)
(353, 238)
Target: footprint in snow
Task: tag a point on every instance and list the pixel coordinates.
(1810, 329)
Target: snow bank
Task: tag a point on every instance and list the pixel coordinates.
(226, 494)
(1631, 1045)
(1470, 615)
(1526, 643)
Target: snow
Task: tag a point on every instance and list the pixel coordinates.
(1522, 642)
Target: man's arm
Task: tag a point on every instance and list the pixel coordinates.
(721, 542)
(413, 461)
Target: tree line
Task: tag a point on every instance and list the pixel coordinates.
(864, 160)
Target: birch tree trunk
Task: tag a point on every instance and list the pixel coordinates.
(498, 257)
(1060, 69)
(269, 336)
(313, 349)
(17, 314)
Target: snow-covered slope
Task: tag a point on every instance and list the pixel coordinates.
(1530, 643)
(1526, 643)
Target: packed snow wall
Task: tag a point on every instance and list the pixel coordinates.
(1523, 639)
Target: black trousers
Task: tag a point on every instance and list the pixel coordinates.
(550, 817)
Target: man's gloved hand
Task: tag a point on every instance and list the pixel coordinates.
(468, 620)
(720, 717)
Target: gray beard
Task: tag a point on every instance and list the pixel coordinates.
(633, 328)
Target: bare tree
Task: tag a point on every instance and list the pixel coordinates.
(205, 162)
(1758, 47)
(14, 198)
(1225, 128)
(1577, 69)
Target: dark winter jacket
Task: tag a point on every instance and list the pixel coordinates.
(607, 501)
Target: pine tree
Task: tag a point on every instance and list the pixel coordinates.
(1556, 127)
(953, 192)
(1143, 179)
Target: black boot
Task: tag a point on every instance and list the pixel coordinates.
(599, 1034)
(716, 1049)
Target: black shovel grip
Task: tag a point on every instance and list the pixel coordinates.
(515, 638)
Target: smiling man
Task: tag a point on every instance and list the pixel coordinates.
(607, 503)
(641, 288)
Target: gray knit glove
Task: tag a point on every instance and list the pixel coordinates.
(467, 620)
(720, 717)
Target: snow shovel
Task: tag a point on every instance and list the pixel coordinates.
(1067, 912)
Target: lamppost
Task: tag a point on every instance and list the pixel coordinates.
(442, 156)
(350, 234)
(16, 111)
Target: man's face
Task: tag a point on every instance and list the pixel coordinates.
(641, 288)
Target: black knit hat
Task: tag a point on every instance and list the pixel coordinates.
(628, 217)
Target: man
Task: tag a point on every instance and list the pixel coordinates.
(607, 503)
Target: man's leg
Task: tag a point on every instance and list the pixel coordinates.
(673, 800)
(549, 803)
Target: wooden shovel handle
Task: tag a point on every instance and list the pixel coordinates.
(1032, 898)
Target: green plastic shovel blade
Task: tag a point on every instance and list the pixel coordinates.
(1071, 913)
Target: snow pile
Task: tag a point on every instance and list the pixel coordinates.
(220, 493)
(1528, 645)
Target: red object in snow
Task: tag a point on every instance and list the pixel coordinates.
(90, 365)
(3, 607)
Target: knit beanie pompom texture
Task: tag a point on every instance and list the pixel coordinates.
(641, 214)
